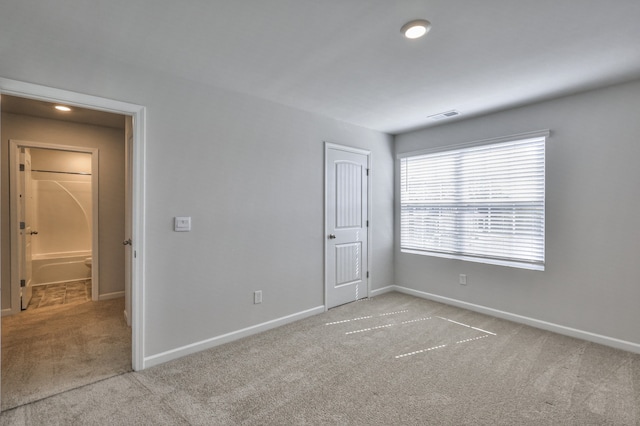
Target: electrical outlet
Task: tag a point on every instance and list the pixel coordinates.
(463, 279)
(182, 224)
(257, 297)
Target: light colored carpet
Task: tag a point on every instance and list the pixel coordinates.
(391, 360)
(53, 349)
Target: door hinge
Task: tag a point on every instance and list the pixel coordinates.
(22, 167)
(367, 224)
(23, 283)
(367, 172)
(367, 274)
(22, 225)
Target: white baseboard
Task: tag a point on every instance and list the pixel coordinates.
(7, 311)
(383, 290)
(172, 354)
(544, 325)
(113, 295)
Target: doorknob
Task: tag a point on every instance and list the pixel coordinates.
(332, 236)
(126, 242)
(34, 232)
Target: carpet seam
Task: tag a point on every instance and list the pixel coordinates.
(64, 391)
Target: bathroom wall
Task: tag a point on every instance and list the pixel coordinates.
(110, 142)
(62, 201)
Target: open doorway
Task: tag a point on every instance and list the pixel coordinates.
(128, 311)
(54, 222)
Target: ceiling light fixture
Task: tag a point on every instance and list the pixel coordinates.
(62, 108)
(416, 28)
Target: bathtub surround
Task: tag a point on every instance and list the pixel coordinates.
(61, 267)
(63, 215)
(62, 201)
(53, 349)
(346, 367)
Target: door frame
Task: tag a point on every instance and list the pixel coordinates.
(14, 148)
(335, 146)
(137, 213)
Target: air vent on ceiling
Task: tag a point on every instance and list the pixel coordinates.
(443, 115)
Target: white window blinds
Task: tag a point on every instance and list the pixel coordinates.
(482, 203)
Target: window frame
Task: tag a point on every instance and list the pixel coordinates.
(531, 263)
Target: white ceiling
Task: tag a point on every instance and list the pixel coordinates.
(346, 59)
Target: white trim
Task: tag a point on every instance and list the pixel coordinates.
(14, 232)
(50, 94)
(544, 325)
(138, 213)
(138, 112)
(477, 259)
(369, 218)
(228, 337)
(95, 225)
(367, 153)
(331, 145)
(383, 290)
(528, 135)
(114, 295)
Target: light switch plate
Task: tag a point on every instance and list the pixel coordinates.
(182, 224)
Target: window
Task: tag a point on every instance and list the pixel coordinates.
(482, 202)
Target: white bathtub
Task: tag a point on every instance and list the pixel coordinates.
(54, 268)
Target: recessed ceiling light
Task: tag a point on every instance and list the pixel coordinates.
(416, 28)
(62, 108)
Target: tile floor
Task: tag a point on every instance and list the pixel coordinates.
(60, 294)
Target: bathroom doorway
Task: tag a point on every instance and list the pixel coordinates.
(54, 224)
(110, 312)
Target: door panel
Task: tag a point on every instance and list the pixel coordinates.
(346, 250)
(348, 263)
(348, 209)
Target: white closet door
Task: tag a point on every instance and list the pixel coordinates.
(346, 249)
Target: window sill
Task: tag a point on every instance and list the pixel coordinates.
(489, 261)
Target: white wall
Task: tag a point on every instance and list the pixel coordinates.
(248, 172)
(591, 282)
(251, 176)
